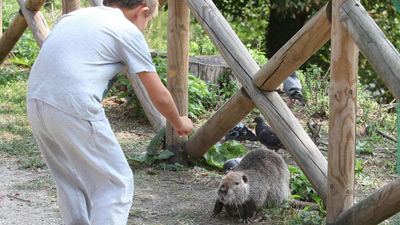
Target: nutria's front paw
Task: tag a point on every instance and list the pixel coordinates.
(247, 221)
(217, 208)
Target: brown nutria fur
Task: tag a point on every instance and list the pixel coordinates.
(261, 179)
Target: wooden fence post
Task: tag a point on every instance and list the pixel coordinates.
(70, 5)
(342, 118)
(1, 19)
(178, 70)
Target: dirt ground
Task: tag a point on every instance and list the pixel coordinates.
(28, 196)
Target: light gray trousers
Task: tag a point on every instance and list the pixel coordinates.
(93, 179)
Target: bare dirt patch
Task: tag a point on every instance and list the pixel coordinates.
(28, 196)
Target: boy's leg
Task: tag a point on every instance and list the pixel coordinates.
(72, 198)
(96, 156)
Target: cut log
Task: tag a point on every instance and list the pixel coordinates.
(209, 68)
(296, 51)
(372, 42)
(274, 109)
(11, 36)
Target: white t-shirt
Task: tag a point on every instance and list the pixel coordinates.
(82, 55)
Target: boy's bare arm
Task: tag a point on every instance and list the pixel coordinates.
(163, 101)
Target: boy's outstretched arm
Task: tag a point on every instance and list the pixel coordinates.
(164, 103)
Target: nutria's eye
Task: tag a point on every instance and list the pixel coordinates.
(237, 183)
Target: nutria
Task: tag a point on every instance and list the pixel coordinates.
(261, 179)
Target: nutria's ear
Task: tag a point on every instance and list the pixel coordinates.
(244, 178)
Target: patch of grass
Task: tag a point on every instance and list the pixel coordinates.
(137, 213)
(43, 182)
(16, 138)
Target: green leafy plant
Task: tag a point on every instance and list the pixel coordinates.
(219, 153)
(364, 147)
(315, 90)
(301, 187)
(154, 151)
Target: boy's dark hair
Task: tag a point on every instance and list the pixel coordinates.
(131, 4)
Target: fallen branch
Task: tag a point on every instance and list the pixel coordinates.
(387, 136)
(18, 198)
(302, 204)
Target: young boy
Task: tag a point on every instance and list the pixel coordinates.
(68, 80)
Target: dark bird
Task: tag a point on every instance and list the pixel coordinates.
(266, 136)
(231, 164)
(240, 133)
(292, 87)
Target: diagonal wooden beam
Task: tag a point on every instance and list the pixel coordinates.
(36, 22)
(227, 116)
(374, 45)
(34, 5)
(11, 36)
(18, 26)
(311, 37)
(239, 106)
(374, 209)
(274, 109)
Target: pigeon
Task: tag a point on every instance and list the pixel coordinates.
(240, 133)
(292, 87)
(266, 136)
(231, 164)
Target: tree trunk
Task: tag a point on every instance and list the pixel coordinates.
(281, 27)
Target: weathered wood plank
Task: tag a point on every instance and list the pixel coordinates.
(311, 37)
(230, 114)
(377, 207)
(177, 71)
(36, 22)
(278, 115)
(374, 45)
(12, 35)
(342, 118)
(70, 5)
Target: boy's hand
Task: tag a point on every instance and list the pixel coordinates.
(185, 128)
